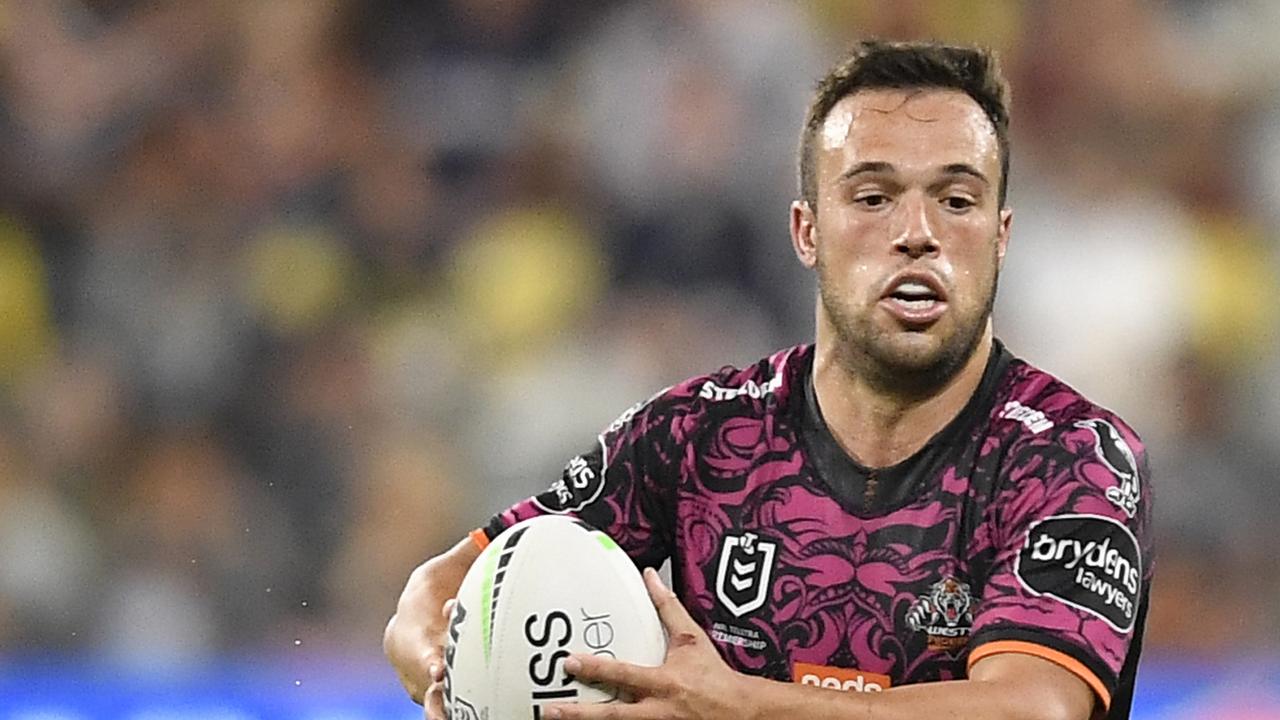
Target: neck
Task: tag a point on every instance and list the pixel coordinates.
(877, 427)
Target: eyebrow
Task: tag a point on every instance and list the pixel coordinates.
(866, 167)
(877, 166)
(965, 169)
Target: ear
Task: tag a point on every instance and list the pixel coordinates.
(1002, 235)
(804, 234)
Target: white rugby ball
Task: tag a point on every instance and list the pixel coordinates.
(543, 589)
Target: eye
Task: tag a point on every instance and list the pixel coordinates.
(872, 200)
(958, 202)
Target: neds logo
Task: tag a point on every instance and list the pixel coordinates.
(834, 678)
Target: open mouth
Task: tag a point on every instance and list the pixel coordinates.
(915, 295)
(915, 299)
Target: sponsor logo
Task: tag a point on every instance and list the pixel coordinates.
(1089, 562)
(583, 478)
(463, 710)
(742, 578)
(1033, 419)
(549, 638)
(743, 637)
(455, 708)
(1115, 453)
(751, 389)
(547, 676)
(946, 614)
(579, 486)
(835, 678)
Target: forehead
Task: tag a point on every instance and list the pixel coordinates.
(910, 128)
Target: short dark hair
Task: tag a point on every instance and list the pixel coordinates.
(874, 64)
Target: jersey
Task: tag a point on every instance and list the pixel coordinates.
(1022, 526)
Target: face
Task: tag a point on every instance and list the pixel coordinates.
(908, 236)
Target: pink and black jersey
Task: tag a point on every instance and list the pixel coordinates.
(1023, 526)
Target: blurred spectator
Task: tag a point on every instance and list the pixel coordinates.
(292, 294)
(48, 561)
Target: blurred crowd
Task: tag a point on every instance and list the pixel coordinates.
(293, 293)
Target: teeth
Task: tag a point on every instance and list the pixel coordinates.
(916, 303)
(914, 290)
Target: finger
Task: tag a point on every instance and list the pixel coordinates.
(435, 702)
(639, 680)
(426, 669)
(681, 627)
(416, 691)
(435, 663)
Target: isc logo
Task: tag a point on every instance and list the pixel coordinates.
(552, 668)
(545, 670)
(834, 678)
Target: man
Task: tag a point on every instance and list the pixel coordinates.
(902, 506)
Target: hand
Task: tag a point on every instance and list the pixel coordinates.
(433, 700)
(415, 636)
(693, 683)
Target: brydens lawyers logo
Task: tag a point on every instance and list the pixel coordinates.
(834, 678)
(946, 614)
(742, 579)
(1090, 562)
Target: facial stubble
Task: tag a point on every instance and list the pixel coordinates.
(867, 351)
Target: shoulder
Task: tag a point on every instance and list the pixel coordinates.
(775, 377)
(1040, 410)
(1051, 411)
(731, 390)
(1059, 444)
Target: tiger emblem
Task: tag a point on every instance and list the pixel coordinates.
(946, 614)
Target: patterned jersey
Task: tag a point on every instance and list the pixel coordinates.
(1022, 526)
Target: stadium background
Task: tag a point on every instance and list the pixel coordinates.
(293, 293)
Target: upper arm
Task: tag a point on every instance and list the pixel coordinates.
(623, 483)
(1040, 682)
(1071, 555)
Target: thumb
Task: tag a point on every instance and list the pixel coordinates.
(681, 627)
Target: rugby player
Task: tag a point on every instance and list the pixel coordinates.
(903, 511)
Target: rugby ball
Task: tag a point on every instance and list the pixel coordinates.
(544, 588)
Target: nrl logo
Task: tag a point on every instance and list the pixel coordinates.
(946, 614)
(742, 579)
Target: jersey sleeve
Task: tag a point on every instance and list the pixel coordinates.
(1072, 560)
(624, 484)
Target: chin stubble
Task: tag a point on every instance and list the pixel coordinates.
(864, 352)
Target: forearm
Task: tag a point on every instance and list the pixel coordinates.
(967, 699)
(439, 578)
(414, 638)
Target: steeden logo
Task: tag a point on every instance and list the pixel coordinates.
(834, 678)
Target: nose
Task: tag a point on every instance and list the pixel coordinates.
(915, 235)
